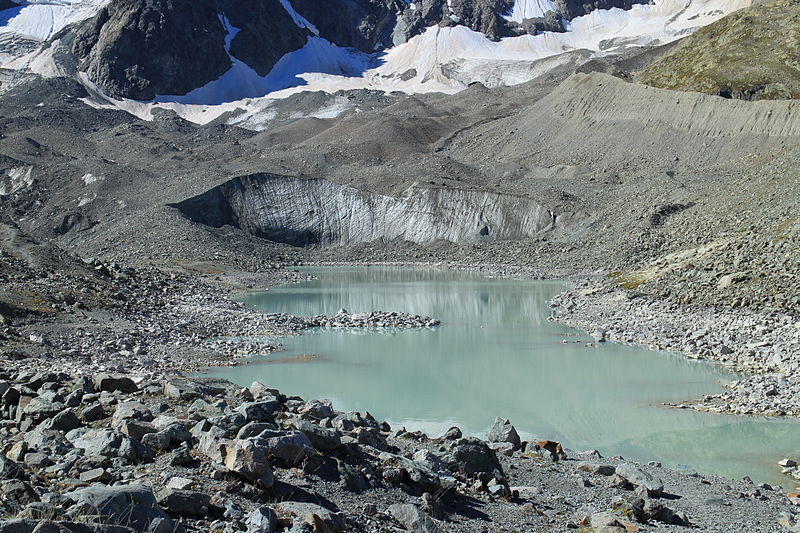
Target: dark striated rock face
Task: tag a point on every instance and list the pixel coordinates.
(267, 32)
(140, 48)
(485, 16)
(362, 24)
(569, 9)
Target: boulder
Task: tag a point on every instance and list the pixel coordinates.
(639, 478)
(472, 456)
(9, 469)
(259, 411)
(18, 491)
(37, 460)
(310, 514)
(134, 506)
(291, 447)
(503, 431)
(594, 468)
(95, 475)
(183, 502)
(416, 473)
(323, 439)
(64, 421)
(131, 411)
(318, 409)
(93, 413)
(412, 518)
(109, 443)
(47, 440)
(182, 389)
(262, 520)
(259, 390)
(606, 522)
(249, 461)
(352, 477)
(135, 429)
(175, 433)
(254, 429)
(230, 423)
(40, 408)
(114, 383)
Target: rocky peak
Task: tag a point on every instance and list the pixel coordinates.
(140, 48)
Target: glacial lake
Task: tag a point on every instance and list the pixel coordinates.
(497, 354)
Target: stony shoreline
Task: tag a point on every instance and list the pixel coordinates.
(765, 346)
(385, 465)
(119, 453)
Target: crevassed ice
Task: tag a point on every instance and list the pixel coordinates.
(39, 20)
(528, 9)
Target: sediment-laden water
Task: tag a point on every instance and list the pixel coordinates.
(496, 354)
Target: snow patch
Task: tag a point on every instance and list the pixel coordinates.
(15, 180)
(301, 21)
(89, 179)
(318, 57)
(42, 19)
(86, 199)
(529, 9)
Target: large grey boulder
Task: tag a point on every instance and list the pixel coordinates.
(412, 518)
(262, 520)
(260, 411)
(40, 408)
(254, 429)
(305, 512)
(114, 383)
(175, 433)
(131, 411)
(472, 456)
(291, 447)
(134, 506)
(248, 460)
(65, 420)
(503, 431)
(323, 439)
(317, 409)
(47, 440)
(9, 469)
(183, 502)
(421, 475)
(109, 443)
(639, 478)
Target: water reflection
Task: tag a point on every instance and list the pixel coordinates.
(497, 354)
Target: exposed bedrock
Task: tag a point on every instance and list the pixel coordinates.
(140, 48)
(314, 211)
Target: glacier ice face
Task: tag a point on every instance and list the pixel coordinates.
(304, 212)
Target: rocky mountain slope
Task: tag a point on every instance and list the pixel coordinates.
(137, 49)
(214, 53)
(752, 54)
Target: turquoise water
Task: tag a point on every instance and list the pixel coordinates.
(496, 354)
